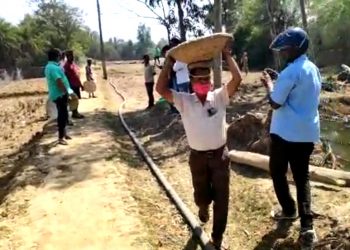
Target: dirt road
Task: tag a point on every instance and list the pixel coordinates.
(83, 201)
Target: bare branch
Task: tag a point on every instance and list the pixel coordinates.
(151, 9)
(135, 13)
(163, 9)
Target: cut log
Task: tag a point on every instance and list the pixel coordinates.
(323, 175)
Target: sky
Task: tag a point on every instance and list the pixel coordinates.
(120, 18)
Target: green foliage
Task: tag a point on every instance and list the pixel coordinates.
(330, 25)
(56, 24)
(9, 43)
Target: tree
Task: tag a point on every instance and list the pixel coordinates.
(9, 44)
(166, 17)
(60, 22)
(144, 43)
(161, 43)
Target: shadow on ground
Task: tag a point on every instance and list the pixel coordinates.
(42, 154)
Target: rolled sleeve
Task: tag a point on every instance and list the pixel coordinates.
(221, 96)
(283, 86)
(178, 100)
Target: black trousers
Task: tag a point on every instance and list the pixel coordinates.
(149, 88)
(76, 90)
(297, 154)
(62, 115)
(211, 181)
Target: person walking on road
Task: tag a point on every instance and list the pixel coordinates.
(157, 54)
(72, 72)
(295, 127)
(59, 92)
(149, 80)
(89, 76)
(204, 117)
(244, 63)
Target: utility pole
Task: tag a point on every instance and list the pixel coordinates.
(217, 28)
(101, 42)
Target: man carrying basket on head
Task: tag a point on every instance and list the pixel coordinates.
(204, 117)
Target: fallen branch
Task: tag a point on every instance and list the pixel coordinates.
(323, 175)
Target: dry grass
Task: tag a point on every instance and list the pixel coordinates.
(22, 114)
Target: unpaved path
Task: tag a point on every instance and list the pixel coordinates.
(84, 200)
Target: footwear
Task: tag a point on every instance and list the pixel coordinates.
(62, 142)
(70, 123)
(220, 244)
(67, 137)
(307, 239)
(203, 214)
(78, 116)
(280, 215)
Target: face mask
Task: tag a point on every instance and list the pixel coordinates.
(201, 89)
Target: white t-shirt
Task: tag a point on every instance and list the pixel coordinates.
(205, 125)
(182, 74)
(149, 73)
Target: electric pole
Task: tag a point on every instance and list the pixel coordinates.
(217, 28)
(101, 42)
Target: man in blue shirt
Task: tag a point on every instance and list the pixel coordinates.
(295, 127)
(59, 92)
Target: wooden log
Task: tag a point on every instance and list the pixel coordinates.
(323, 175)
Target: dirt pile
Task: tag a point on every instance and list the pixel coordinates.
(22, 118)
(250, 132)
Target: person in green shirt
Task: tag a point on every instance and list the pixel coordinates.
(59, 92)
(157, 54)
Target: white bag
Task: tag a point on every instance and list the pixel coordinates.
(51, 110)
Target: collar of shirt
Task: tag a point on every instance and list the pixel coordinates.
(299, 59)
(209, 98)
(54, 62)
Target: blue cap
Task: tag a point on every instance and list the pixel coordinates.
(292, 37)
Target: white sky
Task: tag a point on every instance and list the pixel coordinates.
(118, 16)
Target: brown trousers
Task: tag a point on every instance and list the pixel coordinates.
(210, 179)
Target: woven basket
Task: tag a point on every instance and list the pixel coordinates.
(73, 103)
(201, 49)
(90, 86)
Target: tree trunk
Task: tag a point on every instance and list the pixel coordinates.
(181, 20)
(323, 175)
(168, 32)
(303, 14)
(273, 32)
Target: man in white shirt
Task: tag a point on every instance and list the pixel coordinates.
(182, 77)
(149, 80)
(204, 116)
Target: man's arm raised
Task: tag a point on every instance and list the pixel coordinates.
(236, 79)
(162, 86)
